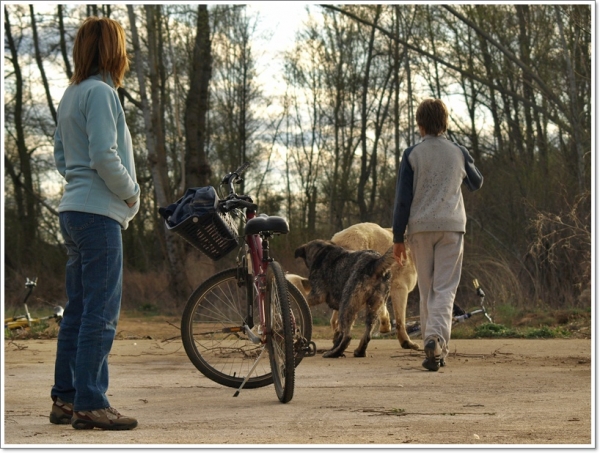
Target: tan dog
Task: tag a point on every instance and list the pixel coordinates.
(365, 236)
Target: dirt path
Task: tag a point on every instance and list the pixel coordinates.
(492, 392)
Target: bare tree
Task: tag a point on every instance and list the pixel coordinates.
(197, 168)
(40, 64)
(152, 113)
(21, 171)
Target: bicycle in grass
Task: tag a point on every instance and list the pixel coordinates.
(458, 314)
(27, 321)
(236, 315)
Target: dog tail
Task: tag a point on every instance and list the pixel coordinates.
(383, 264)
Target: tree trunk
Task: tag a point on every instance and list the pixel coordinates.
(573, 112)
(364, 120)
(396, 89)
(178, 282)
(63, 43)
(40, 64)
(26, 206)
(198, 170)
(525, 50)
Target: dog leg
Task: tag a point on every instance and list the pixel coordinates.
(371, 313)
(399, 301)
(337, 337)
(334, 326)
(334, 320)
(384, 319)
(342, 335)
(338, 351)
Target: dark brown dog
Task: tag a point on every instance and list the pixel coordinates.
(347, 281)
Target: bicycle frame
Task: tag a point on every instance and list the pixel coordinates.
(257, 261)
(26, 320)
(415, 329)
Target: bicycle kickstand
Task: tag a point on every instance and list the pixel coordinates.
(237, 392)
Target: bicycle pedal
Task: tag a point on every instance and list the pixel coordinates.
(310, 350)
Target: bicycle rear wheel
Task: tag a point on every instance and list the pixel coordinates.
(280, 333)
(211, 329)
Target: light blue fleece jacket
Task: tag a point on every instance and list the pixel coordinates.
(94, 153)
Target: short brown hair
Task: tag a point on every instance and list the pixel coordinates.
(432, 115)
(100, 46)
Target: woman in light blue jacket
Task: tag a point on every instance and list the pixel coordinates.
(94, 154)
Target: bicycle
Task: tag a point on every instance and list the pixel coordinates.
(219, 331)
(459, 315)
(26, 321)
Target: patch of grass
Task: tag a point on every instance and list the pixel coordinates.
(492, 330)
(149, 309)
(547, 332)
(320, 321)
(43, 331)
(514, 322)
(505, 314)
(398, 411)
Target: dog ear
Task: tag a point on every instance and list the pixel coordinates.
(300, 252)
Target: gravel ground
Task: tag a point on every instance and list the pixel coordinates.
(492, 393)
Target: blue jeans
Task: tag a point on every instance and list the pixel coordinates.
(94, 276)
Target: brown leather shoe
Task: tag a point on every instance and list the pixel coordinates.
(61, 412)
(107, 418)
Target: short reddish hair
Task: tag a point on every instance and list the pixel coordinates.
(100, 46)
(432, 115)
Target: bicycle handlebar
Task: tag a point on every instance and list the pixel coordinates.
(233, 200)
(234, 177)
(239, 202)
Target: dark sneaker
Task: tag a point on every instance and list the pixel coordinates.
(433, 351)
(61, 412)
(431, 365)
(108, 418)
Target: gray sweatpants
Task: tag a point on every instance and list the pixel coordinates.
(438, 259)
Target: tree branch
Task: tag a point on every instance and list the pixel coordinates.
(511, 56)
(550, 116)
(124, 92)
(17, 180)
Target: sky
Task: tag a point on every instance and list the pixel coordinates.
(281, 20)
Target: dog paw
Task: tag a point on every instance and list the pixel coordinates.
(409, 345)
(385, 328)
(332, 354)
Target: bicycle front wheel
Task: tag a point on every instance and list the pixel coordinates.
(280, 340)
(211, 329)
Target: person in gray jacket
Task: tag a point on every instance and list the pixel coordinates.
(93, 152)
(429, 210)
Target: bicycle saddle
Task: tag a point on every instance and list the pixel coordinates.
(263, 222)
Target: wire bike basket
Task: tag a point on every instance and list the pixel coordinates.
(198, 218)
